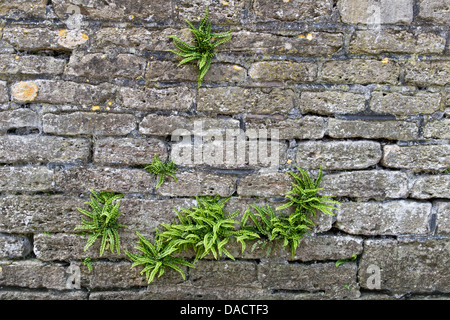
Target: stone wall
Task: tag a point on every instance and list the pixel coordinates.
(89, 94)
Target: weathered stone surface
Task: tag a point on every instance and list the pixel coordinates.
(197, 183)
(27, 7)
(24, 92)
(159, 125)
(271, 184)
(128, 151)
(407, 265)
(402, 217)
(370, 184)
(331, 102)
(97, 124)
(443, 218)
(12, 246)
(221, 12)
(438, 12)
(180, 98)
(392, 130)
(283, 71)
(128, 10)
(437, 129)
(311, 277)
(4, 96)
(360, 71)
(427, 187)
(308, 127)
(417, 158)
(81, 179)
(67, 92)
(19, 118)
(22, 295)
(310, 44)
(34, 214)
(427, 73)
(42, 149)
(375, 13)
(108, 66)
(293, 10)
(390, 41)
(339, 155)
(235, 100)
(26, 179)
(33, 274)
(11, 64)
(400, 104)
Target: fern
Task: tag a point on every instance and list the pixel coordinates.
(103, 224)
(205, 228)
(157, 167)
(204, 49)
(155, 258)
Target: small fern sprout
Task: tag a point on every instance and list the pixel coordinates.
(161, 169)
(105, 212)
(205, 46)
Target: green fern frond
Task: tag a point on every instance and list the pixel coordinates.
(161, 169)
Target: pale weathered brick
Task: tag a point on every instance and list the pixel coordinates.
(424, 260)
(339, 155)
(26, 179)
(375, 13)
(235, 100)
(436, 11)
(427, 187)
(4, 96)
(417, 158)
(128, 151)
(443, 218)
(42, 149)
(402, 217)
(283, 71)
(392, 130)
(370, 184)
(439, 129)
(400, 104)
(11, 64)
(331, 102)
(12, 246)
(360, 71)
(267, 10)
(427, 73)
(264, 185)
(180, 98)
(108, 124)
(19, 118)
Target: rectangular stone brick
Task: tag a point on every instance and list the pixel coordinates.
(264, 185)
(64, 92)
(13, 247)
(21, 294)
(375, 12)
(180, 98)
(340, 155)
(26, 179)
(11, 64)
(306, 44)
(406, 266)
(283, 71)
(161, 125)
(437, 129)
(128, 151)
(108, 66)
(427, 73)
(331, 102)
(309, 127)
(197, 183)
(402, 217)
(392, 130)
(427, 187)
(436, 11)
(324, 277)
(42, 149)
(417, 158)
(302, 10)
(390, 41)
(400, 104)
(97, 124)
(221, 12)
(19, 118)
(360, 71)
(82, 179)
(370, 184)
(27, 7)
(443, 218)
(33, 274)
(4, 95)
(235, 100)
